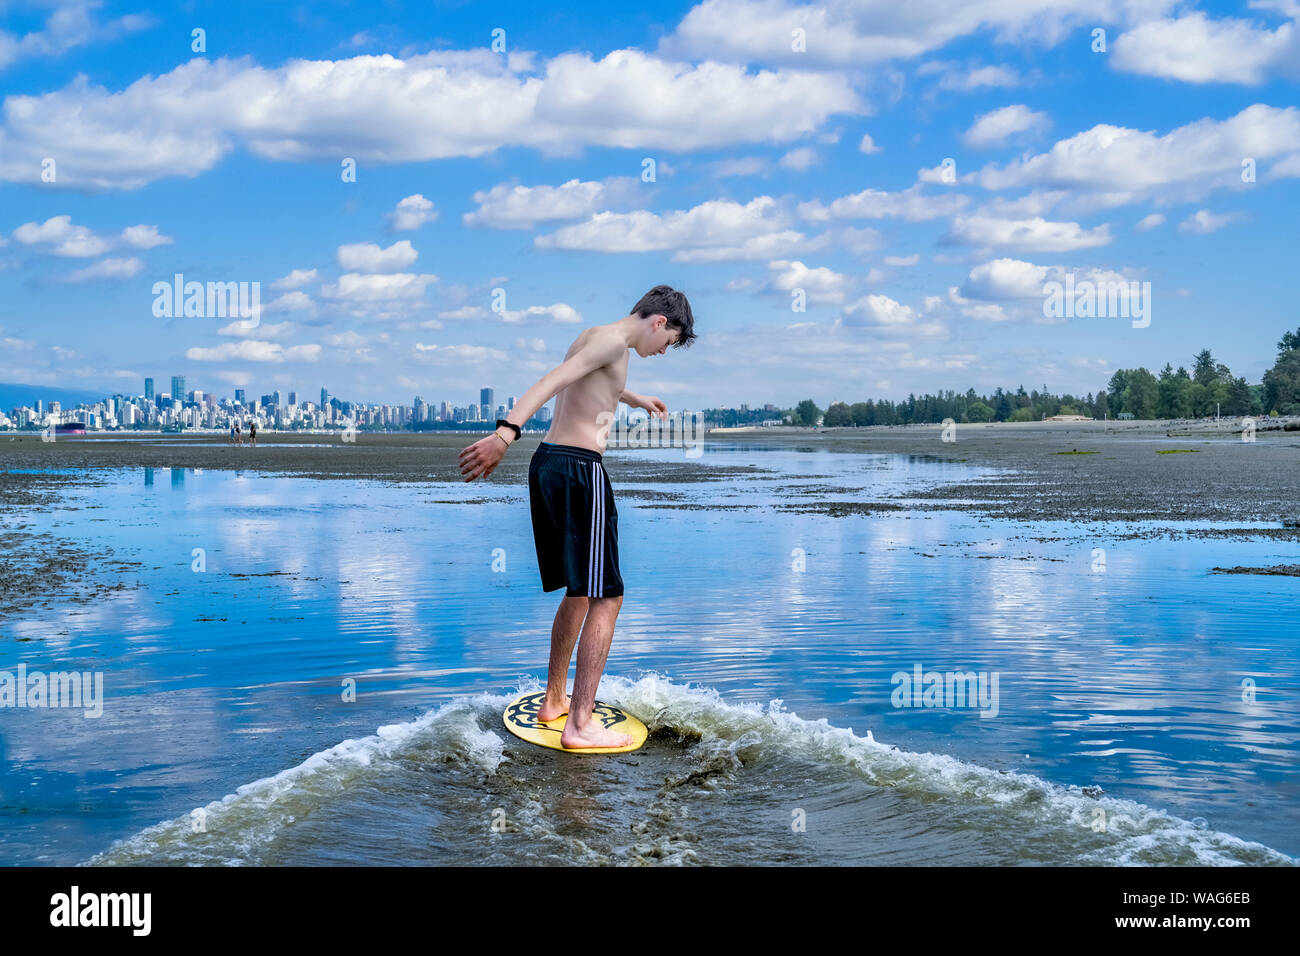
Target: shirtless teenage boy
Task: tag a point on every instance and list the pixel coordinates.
(575, 523)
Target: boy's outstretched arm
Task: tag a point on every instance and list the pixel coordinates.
(481, 458)
(654, 406)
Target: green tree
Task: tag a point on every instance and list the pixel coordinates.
(1001, 405)
(805, 413)
(977, 411)
(1204, 372)
(1116, 389)
(1140, 393)
(1174, 393)
(1282, 384)
(1239, 400)
(864, 413)
(838, 416)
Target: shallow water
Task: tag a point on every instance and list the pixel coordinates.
(760, 645)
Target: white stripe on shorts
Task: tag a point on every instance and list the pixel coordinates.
(596, 550)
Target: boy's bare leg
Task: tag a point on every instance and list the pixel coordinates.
(597, 633)
(564, 634)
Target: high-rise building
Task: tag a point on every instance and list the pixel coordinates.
(420, 409)
(510, 403)
(485, 402)
(178, 387)
(324, 397)
(293, 398)
(239, 396)
(148, 390)
(275, 398)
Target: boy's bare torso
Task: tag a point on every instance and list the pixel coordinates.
(577, 419)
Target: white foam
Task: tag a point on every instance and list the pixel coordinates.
(1135, 834)
(251, 816)
(1021, 805)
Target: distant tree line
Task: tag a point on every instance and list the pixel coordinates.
(1209, 387)
(733, 417)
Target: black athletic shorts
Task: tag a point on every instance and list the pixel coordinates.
(575, 523)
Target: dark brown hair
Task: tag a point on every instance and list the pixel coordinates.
(666, 301)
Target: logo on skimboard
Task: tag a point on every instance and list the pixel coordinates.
(521, 720)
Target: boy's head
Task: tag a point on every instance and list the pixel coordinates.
(671, 321)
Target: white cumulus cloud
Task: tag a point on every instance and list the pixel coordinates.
(512, 206)
(820, 284)
(253, 350)
(59, 236)
(145, 237)
(1197, 49)
(295, 279)
(369, 257)
(358, 287)
(713, 231)
(436, 105)
(1202, 222)
(411, 213)
(910, 205)
(1031, 235)
(107, 269)
(997, 126)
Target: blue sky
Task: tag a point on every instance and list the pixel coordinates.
(817, 170)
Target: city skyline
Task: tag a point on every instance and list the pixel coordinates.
(276, 407)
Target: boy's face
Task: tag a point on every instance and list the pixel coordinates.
(657, 338)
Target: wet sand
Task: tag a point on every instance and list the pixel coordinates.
(401, 456)
(1078, 471)
(41, 569)
(1099, 471)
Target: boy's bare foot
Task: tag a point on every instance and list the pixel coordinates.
(593, 735)
(549, 711)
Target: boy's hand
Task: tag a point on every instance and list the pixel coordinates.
(479, 459)
(652, 405)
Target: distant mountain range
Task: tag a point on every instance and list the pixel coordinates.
(12, 396)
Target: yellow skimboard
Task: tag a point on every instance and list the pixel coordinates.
(521, 720)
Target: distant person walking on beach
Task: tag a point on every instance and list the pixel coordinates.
(252, 431)
(232, 433)
(239, 436)
(575, 523)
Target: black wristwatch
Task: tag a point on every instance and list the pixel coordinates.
(511, 425)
